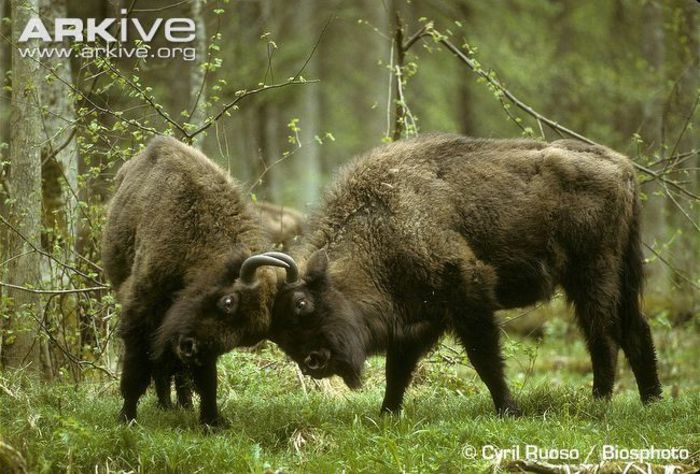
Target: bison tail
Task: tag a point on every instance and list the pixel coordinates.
(632, 278)
(634, 332)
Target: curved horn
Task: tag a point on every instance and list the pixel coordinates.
(252, 263)
(292, 271)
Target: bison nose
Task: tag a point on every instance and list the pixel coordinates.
(187, 347)
(317, 360)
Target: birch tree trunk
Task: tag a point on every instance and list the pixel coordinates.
(308, 163)
(21, 334)
(269, 125)
(59, 172)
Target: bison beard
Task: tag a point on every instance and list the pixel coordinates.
(436, 233)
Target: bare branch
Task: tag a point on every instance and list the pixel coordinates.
(680, 274)
(48, 255)
(313, 50)
(689, 118)
(242, 95)
(150, 100)
(54, 292)
(421, 33)
(440, 38)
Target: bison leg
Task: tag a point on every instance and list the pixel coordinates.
(401, 361)
(603, 352)
(601, 347)
(480, 336)
(136, 376)
(204, 377)
(591, 290)
(638, 346)
(183, 388)
(163, 382)
(470, 287)
(604, 361)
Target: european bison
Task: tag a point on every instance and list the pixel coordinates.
(436, 233)
(176, 248)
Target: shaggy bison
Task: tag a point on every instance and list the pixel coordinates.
(435, 233)
(177, 248)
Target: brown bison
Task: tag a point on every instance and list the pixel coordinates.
(436, 233)
(177, 248)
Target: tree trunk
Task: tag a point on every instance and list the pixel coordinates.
(655, 231)
(60, 151)
(262, 133)
(198, 93)
(21, 332)
(4, 139)
(308, 162)
(59, 158)
(686, 247)
(5, 52)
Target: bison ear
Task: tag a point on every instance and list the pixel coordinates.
(317, 268)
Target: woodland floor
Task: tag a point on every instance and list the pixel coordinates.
(276, 424)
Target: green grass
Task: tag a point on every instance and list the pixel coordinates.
(275, 425)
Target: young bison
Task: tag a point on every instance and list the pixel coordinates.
(436, 233)
(175, 248)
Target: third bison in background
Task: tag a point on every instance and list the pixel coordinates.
(438, 232)
(283, 225)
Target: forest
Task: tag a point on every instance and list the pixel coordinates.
(281, 94)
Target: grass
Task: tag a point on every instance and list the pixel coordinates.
(275, 425)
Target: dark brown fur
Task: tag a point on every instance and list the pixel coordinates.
(177, 231)
(438, 232)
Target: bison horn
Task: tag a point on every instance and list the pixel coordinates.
(292, 270)
(252, 263)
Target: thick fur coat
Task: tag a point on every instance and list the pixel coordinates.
(437, 232)
(177, 232)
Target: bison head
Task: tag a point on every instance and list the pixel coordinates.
(225, 307)
(317, 327)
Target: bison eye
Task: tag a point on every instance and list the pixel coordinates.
(301, 305)
(228, 304)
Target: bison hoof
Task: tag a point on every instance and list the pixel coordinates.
(215, 424)
(652, 396)
(126, 417)
(389, 411)
(509, 409)
(602, 394)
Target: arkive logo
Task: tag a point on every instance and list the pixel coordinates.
(175, 30)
